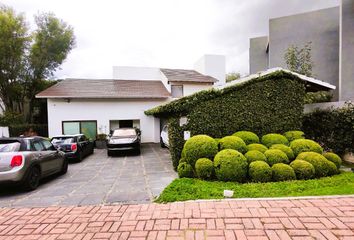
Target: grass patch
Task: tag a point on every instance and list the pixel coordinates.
(183, 189)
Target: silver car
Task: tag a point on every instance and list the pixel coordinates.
(27, 160)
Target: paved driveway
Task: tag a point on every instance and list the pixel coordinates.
(99, 179)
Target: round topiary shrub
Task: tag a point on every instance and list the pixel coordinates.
(320, 163)
(283, 172)
(303, 169)
(334, 158)
(232, 142)
(332, 168)
(185, 170)
(247, 136)
(274, 138)
(293, 135)
(204, 168)
(305, 145)
(275, 156)
(287, 150)
(260, 171)
(255, 155)
(230, 165)
(257, 146)
(182, 160)
(199, 146)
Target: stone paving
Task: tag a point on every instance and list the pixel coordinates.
(305, 218)
(99, 179)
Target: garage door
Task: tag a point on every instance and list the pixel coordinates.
(89, 128)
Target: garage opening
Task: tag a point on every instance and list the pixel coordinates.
(114, 124)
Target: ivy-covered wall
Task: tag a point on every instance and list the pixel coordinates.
(332, 128)
(272, 103)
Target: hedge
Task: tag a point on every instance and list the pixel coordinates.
(266, 104)
(20, 129)
(332, 128)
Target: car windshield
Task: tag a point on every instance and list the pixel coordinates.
(124, 133)
(63, 140)
(13, 146)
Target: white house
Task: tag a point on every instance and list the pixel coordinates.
(94, 106)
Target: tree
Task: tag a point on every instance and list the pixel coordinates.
(232, 76)
(26, 59)
(299, 59)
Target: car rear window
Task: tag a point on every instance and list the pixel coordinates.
(10, 146)
(124, 132)
(63, 140)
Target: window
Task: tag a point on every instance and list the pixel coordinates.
(47, 145)
(38, 146)
(89, 128)
(124, 133)
(177, 91)
(82, 138)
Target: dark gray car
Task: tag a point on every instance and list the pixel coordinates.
(27, 160)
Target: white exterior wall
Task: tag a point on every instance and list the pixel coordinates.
(214, 66)
(103, 111)
(189, 89)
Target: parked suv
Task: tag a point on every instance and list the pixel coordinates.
(124, 139)
(26, 160)
(75, 147)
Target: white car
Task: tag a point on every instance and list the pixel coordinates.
(164, 137)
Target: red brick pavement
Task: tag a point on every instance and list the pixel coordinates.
(312, 218)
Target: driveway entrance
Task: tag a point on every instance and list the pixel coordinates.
(99, 179)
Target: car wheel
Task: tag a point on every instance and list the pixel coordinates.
(138, 151)
(32, 178)
(109, 153)
(80, 157)
(64, 168)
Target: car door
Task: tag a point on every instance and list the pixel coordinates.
(84, 145)
(46, 166)
(53, 155)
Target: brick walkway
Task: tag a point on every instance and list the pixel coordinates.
(312, 218)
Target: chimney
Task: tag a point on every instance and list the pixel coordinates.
(212, 65)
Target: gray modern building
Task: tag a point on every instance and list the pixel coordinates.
(331, 33)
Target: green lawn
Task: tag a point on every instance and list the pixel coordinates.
(183, 189)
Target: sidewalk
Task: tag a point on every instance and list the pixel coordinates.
(311, 218)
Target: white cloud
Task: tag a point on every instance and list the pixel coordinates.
(166, 33)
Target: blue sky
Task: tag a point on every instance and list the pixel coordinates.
(161, 33)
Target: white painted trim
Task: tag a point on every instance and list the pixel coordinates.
(272, 70)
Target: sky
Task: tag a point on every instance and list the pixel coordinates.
(161, 33)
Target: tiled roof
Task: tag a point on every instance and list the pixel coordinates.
(182, 75)
(105, 88)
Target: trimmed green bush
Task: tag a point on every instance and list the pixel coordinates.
(283, 172)
(257, 146)
(230, 165)
(275, 156)
(265, 104)
(204, 168)
(185, 170)
(332, 168)
(260, 171)
(303, 169)
(293, 135)
(287, 150)
(232, 142)
(333, 158)
(305, 145)
(255, 155)
(320, 163)
(247, 136)
(333, 128)
(182, 160)
(274, 138)
(199, 146)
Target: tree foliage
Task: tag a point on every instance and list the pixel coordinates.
(232, 76)
(28, 58)
(299, 59)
